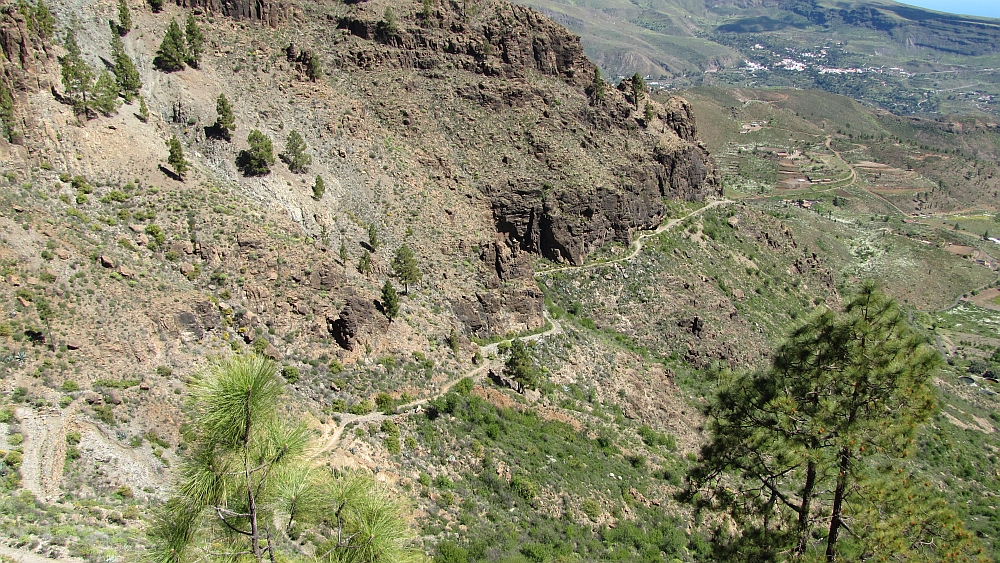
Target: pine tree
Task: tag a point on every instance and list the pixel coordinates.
(597, 88)
(343, 253)
(124, 17)
(6, 112)
(248, 468)
(143, 110)
(638, 88)
(105, 94)
(520, 366)
(45, 22)
(314, 68)
(46, 314)
(225, 123)
(195, 41)
(176, 158)
(843, 388)
(390, 301)
(318, 188)
(365, 263)
(172, 53)
(404, 267)
(126, 76)
(373, 236)
(258, 159)
(295, 156)
(77, 76)
(156, 6)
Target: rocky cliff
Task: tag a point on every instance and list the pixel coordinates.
(564, 170)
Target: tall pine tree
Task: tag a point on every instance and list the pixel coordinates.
(104, 95)
(404, 266)
(789, 445)
(225, 123)
(195, 41)
(258, 159)
(124, 18)
(172, 53)
(77, 76)
(126, 75)
(176, 158)
(295, 153)
(390, 301)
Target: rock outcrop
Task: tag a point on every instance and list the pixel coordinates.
(595, 163)
(358, 317)
(268, 12)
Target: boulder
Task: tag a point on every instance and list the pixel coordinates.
(359, 315)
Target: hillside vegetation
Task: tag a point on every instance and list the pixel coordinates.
(483, 304)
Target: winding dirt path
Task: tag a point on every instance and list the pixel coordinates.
(332, 434)
(638, 243)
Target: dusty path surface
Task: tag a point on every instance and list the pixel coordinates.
(331, 434)
(44, 448)
(638, 243)
(24, 556)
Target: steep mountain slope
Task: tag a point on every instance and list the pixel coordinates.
(472, 133)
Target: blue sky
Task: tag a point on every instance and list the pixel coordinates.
(988, 8)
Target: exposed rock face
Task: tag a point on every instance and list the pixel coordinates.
(22, 57)
(593, 168)
(508, 41)
(358, 316)
(269, 12)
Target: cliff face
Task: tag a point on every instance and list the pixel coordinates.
(269, 12)
(564, 170)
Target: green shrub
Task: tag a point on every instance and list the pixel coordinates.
(259, 345)
(448, 552)
(15, 439)
(70, 386)
(290, 373)
(523, 487)
(384, 402)
(364, 407)
(392, 444)
(591, 508)
(164, 371)
(14, 458)
(464, 386)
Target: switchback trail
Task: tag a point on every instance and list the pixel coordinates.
(332, 434)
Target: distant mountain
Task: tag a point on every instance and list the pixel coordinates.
(902, 58)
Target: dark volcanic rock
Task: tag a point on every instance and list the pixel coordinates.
(266, 11)
(358, 316)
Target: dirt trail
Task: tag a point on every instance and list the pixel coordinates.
(638, 243)
(25, 556)
(332, 434)
(44, 448)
